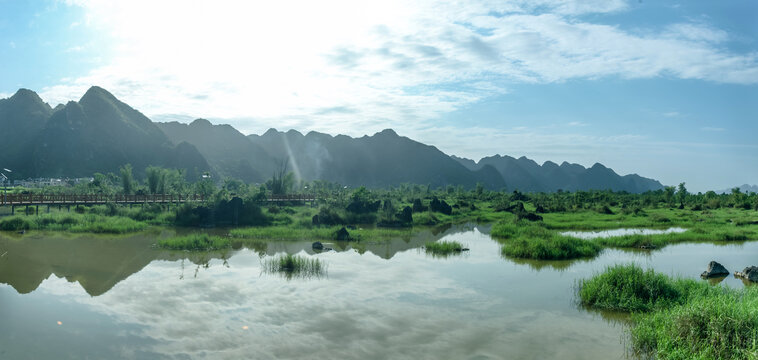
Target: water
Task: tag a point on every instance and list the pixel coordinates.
(119, 298)
(620, 232)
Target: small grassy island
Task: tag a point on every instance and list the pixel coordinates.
(443, 248)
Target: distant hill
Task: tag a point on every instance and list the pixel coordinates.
(382, 159)
(743, 188)
(229, 152)
(22, 118)
(526, 175)
(98, 133)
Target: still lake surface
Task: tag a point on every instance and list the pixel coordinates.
(117, 297)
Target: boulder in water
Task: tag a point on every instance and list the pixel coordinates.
(318, 245)
(715, 270)
(749, 273)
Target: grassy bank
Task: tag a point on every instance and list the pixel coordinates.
(534, 241)
(195, 242)
(73, 222)
(678, 318)
(542, 240)
(723, 325)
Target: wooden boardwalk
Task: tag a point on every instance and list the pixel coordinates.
(41, 199)
(291, 197)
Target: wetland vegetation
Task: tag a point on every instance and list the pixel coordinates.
(671, 317)
(294, 266)
(677, 318)
(443, 248)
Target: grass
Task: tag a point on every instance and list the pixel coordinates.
(294, 266)
(195, 242)
(443, 248)
(632, 289)
(73, 222)
(723, 325)
(677, 318)
(533, 241)
(718, 233)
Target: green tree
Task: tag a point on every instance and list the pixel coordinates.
(282, 181)
(127, 179)
(156, 179)
(668, 194)
(205, 187)
(681, 193)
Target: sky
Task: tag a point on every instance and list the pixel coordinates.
(664, 89)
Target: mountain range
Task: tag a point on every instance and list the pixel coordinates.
(99, 133)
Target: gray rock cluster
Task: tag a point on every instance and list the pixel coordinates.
(717, 270)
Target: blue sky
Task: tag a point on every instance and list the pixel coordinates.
(665, 89)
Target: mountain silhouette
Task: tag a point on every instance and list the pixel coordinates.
(526, 175)
(99, 133)
(382, 159)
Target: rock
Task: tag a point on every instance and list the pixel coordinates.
(418, 206)
(715, 270)
(749, 273)
(405, 216)
(342, 234)
(318, 246)
(440, 206)
(528, 216)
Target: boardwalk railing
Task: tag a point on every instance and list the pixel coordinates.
(291, 197)
(41, 199)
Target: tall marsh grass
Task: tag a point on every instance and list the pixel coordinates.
(294, 266)
(677, 318)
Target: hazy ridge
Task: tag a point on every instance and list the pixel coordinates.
(99, 133)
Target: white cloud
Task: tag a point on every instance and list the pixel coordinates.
(698, 32)
(672, 114)
(291, 64)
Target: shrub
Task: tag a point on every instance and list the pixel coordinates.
(14, 224)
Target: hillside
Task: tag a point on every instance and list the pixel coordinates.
(98, 133)
(526, 175)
